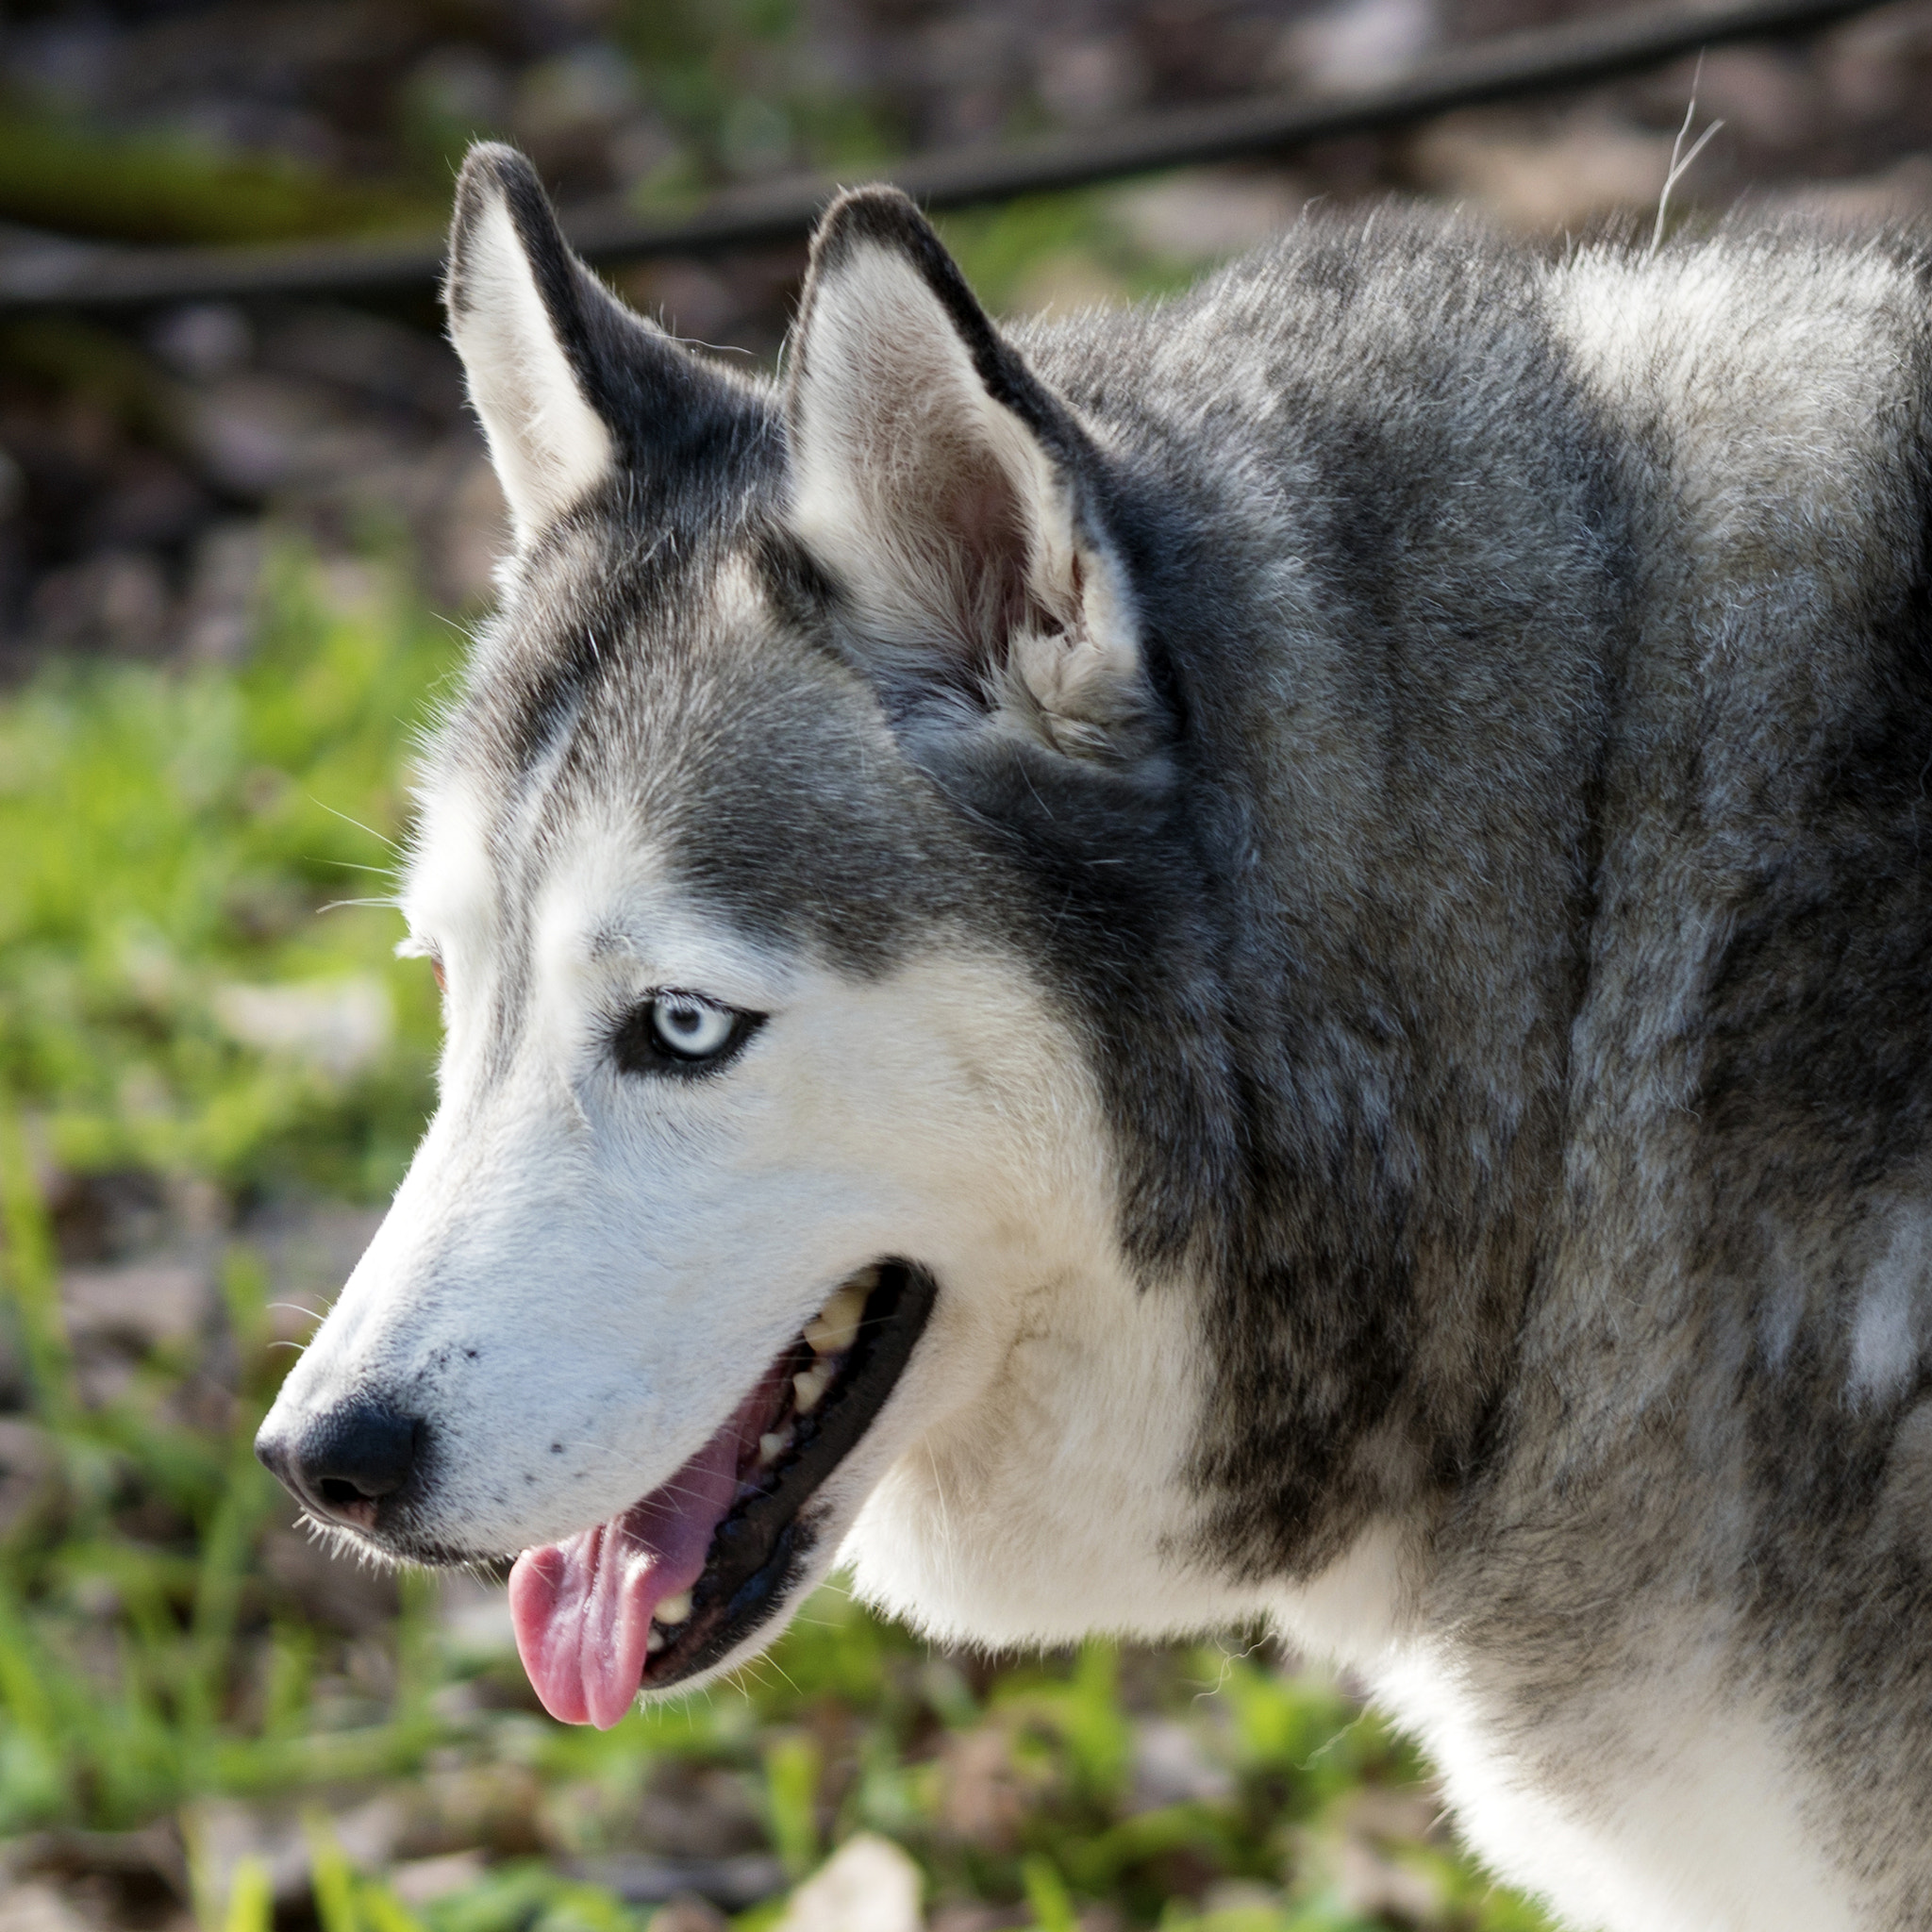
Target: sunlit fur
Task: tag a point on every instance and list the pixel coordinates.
(1343, 860)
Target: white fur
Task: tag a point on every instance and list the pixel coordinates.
(1026, 1480)
(1888, 1316)
(667, 1238)
(548, 445)
(1706, 1832)
(1757, 385)
(1361, 1606)
(1052, 1506)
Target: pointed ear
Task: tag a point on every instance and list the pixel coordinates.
(570, 384)
(955, 501)
(516, 296)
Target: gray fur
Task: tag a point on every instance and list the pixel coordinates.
(1503, 939)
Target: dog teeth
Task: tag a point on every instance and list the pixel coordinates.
(772, 1446)
(656, 1641)
(674, 1610)
(809, 1385)
(835, 1327)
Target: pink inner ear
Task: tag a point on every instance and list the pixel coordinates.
(984, 541)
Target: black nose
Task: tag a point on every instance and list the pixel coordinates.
(342, 1463)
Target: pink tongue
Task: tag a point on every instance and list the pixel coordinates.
(582, 1608)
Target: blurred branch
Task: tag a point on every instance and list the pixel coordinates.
(48, 272)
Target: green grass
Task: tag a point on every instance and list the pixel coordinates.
(167, 836)
(76, 177)
(1020, 248)
(168, 839)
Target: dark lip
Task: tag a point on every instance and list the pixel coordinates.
(759, 1552)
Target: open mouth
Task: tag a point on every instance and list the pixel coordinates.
(687, 1573)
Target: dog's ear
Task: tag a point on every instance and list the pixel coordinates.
(569, 383)
(952, 499)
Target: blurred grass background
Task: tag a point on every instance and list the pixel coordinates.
(226, 533)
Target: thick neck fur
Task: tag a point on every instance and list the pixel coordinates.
(1522, 1016)
(1329, 972)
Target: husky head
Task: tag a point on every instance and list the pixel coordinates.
(778, 860)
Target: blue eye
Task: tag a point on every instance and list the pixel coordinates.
(681, 1032)
(692, 1030)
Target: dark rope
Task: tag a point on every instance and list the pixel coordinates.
(61, 273)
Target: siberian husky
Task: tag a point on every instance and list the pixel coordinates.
(1268, 957)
